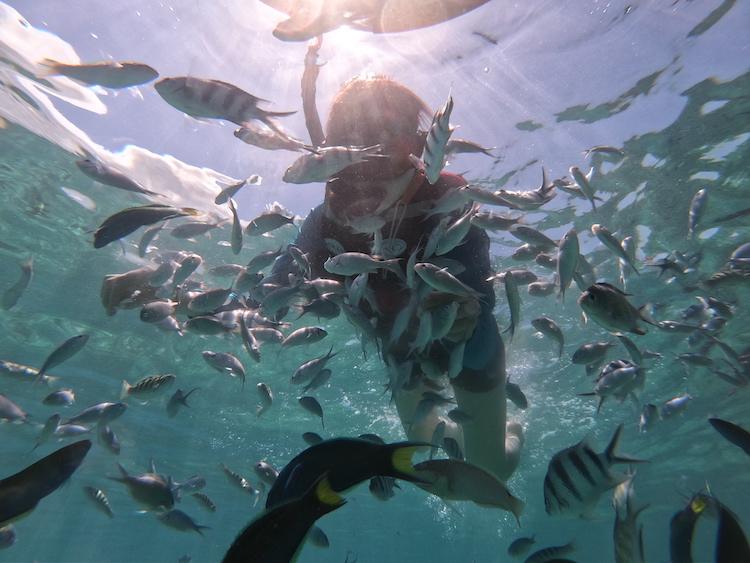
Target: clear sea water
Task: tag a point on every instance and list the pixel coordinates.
(667, 83)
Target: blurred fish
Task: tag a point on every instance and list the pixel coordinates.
(214, 99)
(514, 393)
(592, 353)
(10, 411)
(266, 399)
(731, 542)
(20, 493)
(109, 440)
(193, 229)
(382, 487)
(514, 303)
(615, 246)
(149, 489)
(269, 139)
(520, 547)
(348, 461)
(451, 479)
(108, 74)
(177, 400)
(146, 238)
(540, 288)
(673, 407)
(530, 199)
(549, 328)
(568, 255)
(225, 362)
(491, 222)
(265, 472)
(611, 151)
(236, 239)
(124, 222)
(11, 295)
(307, 371)
(735, 434)
(264, 223)
(303, 336)
(8, 536)
(312, 405)
(230, 191)
(582, 181)
(63, 352)
(99, 500)
(275, 536)
(437, 138)
(649, 416)
(325, 163)
(442, 280)
(204, 501)
(550, 554)
(682, 526)
(24, 373)
(452, 449)
(628, 536)
(178, 520)
(48, 430)
(318, 538)
(455, 146)
(609, 308)
(695, 212)
(110, 176)
(148, 387)
(577, 477)
(311, 438)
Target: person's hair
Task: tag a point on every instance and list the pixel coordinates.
(374, 109)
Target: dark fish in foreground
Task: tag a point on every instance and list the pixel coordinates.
(348, 461)
(735, 434)
(63, 352)
(107, 74)
(13, 293)
(127, 221)
(682, 526)
(276, 535)
(731, 543)
(578, 476)
(215, 99)
(20, 493)
(110, 176)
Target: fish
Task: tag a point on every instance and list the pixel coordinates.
(60, 398)
(109, 74)
(11, 295)
(238, 481)
(63, 352)
(582, 181)
(550, 554)
(225, 362)
(533, 237)
(146, 238)
(266, 399)
(318, 381)
(516, 396)
(193, 229)
(8, 536)
(577, 477)
(442, 280)
(735, 434)
(435, 143)
(204, 501)
(540, 288)
(178, 520)
(111, 176)
(230, 191)
(520, 547)
(99, 500)
(649, 416)
(514, 303)
(615, 246)
(304, 336)
(20, 493)
(276, 535)
(628, 536)
(265, 472)
(695, 212)
(382, 487)
(210, 300)
(567, 260)
(23, 373)
(307, 371)
(215, 99)
(491, 222)
(102, 413)
(608, 307)
(731, 542)
(348, 461)
(129, 220)
(592, 353)
(48, 430)
(530, 199)
(187, 266)
(326, 162)
(354, 263)
(269, 139)
(451, 479)
(549, 328)
(148, 387)
(267, 222)
(312, 405)
(311, 438)
(149, 489)
(109, 439)
(178, 399)
(673, 407)
(682, 526)
(454, 146)
(603, 149)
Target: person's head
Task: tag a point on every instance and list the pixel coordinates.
(375, 110)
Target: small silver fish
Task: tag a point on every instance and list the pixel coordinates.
(437, 138)
(110, 176)
(60, 398)
(266, 399)
(108, 74)
(549, 328)
(11, 295)
(312, 405)
(224, 362)
(609, 308)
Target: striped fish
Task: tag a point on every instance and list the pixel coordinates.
(215, 99)
(578, 476)
(147, 388)
(99, 499)
(437, 138)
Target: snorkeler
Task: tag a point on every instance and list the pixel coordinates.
(382, 207)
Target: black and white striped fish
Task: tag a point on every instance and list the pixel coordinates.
(215, 99)
(99, 499)
(437, 138)
(578, 476)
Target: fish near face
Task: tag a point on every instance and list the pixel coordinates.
(609, 307)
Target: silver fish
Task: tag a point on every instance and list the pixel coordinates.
(615, 246)
(225, 362)
(582, 181)
(108, 74)
(520, 547)
(102, 413)
(63, 352)
(11, 295)
(695, 213)
(673, 407)
(266, 399)
(649, 416)
(549, 328)
(354, 263)
(210, 300)
(10, 411)
(578, 476)
(267, 222)
(304, 336)
(109, 439)
(514, 303)
(442, 280)
(60, 398)
(382, 487)
(265, 472)
(268, 139)
(609, 308)
(437, 138)
(567, 260)
(307, 371)
(328, 162)
(110, 176)
(592, 353)
(178, 520)
(236, 228)
(516, 396)
(627, 535)
(48, 430)
(204, 501)
(149, 489)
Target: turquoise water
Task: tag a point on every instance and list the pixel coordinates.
(676, 104)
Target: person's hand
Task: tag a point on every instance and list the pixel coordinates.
(466, 316)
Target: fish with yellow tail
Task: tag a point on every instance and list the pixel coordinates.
(451, 479)
(276, 535)
(20, 493)
(348, 461)
(609, 307)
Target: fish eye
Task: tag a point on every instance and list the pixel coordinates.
(592, 297)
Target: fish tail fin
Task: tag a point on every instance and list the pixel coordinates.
(401, 460)
(49, 67)
(326, 495)
(125, 391)
(613, 458)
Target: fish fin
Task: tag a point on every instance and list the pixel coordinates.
(401, 460)
(326, 495)
(126, 387)
(49, 67)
